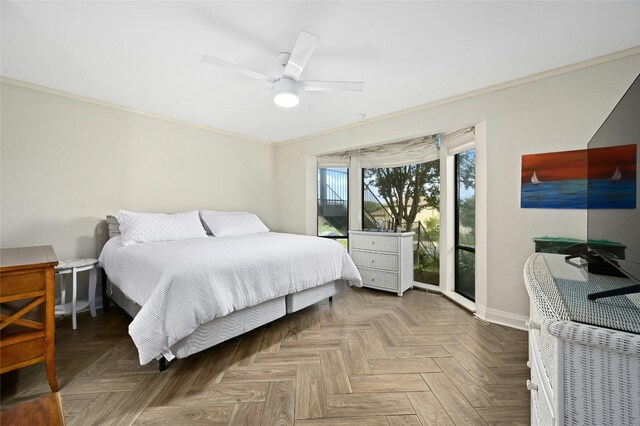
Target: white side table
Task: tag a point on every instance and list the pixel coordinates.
(73, 266)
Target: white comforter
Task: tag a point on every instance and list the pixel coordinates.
(183, 284)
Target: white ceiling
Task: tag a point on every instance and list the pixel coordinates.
(146, 55)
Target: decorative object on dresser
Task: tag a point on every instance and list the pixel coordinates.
(384, 259)
(584, 355)
(27, 328)
(72, 267)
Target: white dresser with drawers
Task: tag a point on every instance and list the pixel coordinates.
(384, 259)
(581, 374)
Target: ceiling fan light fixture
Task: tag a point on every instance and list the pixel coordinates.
(286, 89)
(286, 99)
(285, 93)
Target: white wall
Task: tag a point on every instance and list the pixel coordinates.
(66, 163)
(550, 114)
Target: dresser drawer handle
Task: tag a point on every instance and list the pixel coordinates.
(532, 325)
(373, 279)
(373, 243)
(373, 261)
(532, 386)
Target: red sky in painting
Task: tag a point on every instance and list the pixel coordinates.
(603, 162)
(555, 165)
(573, 164)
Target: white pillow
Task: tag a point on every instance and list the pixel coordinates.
(224, 224)
(147, 227)
(209, 215)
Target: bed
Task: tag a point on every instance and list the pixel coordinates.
(188, 295)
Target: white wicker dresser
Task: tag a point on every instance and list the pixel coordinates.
(581, 374)
(384, 259)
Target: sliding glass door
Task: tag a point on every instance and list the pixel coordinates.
(465, 224)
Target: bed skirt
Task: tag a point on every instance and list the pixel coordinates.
(308, 297)
(239, 322)
(228, 327)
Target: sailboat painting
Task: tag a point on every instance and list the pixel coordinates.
(612, 177)
(555, 180)
(600, 178)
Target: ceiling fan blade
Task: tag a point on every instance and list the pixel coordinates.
(300, 55)
(331, 86)
(217, 62)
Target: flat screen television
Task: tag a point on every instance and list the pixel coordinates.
(612, 190)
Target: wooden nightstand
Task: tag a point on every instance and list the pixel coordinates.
(27, 299)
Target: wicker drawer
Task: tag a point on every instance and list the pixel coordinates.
(541, 410)
(375, 260)
(545, 347)
(379, 279)
(375, 243)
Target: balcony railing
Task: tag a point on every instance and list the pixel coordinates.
(373, 211)
(333, 195)
(423, 242)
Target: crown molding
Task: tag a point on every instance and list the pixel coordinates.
(68, 95)
(489, 89)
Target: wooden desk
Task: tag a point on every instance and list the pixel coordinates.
(27, 309)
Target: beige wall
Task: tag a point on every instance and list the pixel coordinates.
(556, 113)
(66, 163)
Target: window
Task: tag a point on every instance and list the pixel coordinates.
(465, 224)
(333, 203)
(407, 197)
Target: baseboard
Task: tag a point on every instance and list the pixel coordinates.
(486, 314)
(496, 316)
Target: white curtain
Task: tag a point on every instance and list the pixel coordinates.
(413, 151)
(337, 159)
(458, 141)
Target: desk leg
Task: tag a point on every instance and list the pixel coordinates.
(50, 329)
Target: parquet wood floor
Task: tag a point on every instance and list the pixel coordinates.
(367, 358)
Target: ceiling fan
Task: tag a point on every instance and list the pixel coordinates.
(287, 87)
